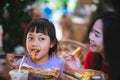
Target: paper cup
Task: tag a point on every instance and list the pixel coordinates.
(19, 75)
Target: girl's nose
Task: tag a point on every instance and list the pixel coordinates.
(35, 43)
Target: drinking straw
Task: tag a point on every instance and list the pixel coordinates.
(21, 63)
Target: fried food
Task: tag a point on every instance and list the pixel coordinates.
(85, 75)
(42, 73)
(34, 54)
(76, 50)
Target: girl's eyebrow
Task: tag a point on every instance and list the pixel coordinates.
(30, 34)
(38, 34)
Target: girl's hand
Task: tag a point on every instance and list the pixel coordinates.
(11, 61)
(72, 61)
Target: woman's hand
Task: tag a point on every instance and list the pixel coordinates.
(11, 61)
(72, 61)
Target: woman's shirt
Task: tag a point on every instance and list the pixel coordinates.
(53, 62)
(88, 63)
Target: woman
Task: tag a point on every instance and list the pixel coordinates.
(104, 45)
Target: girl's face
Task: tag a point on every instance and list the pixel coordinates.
(96, 37)
(39, 42)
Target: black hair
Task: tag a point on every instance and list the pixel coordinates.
(111, 41)
(44, 26)
(97, 60)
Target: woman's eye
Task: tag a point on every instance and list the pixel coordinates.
(96, 35)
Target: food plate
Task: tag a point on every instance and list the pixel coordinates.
(87, 74)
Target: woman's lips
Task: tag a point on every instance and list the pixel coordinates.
(91, 45)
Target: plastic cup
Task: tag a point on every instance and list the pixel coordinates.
(19, 75)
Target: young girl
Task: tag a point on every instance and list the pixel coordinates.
(40, 36)
(104, 45)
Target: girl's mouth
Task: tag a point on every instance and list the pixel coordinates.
(35, 50)
(34, 53)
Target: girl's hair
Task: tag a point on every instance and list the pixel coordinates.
(44, 26)
(111, 30)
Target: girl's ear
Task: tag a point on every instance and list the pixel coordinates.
(52, 44)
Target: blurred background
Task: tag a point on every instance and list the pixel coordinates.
(70, 17)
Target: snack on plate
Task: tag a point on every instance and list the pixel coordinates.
(86, 74)
(34, 54)
(75, 51)
(42, 73)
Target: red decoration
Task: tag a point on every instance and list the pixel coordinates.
(23, 25)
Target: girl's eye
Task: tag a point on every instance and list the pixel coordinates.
(42, 38)
(30, 38)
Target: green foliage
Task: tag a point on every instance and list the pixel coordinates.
(60, 3)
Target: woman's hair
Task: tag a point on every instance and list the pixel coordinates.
(111, 40)
(111, 31)
(44, 26)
